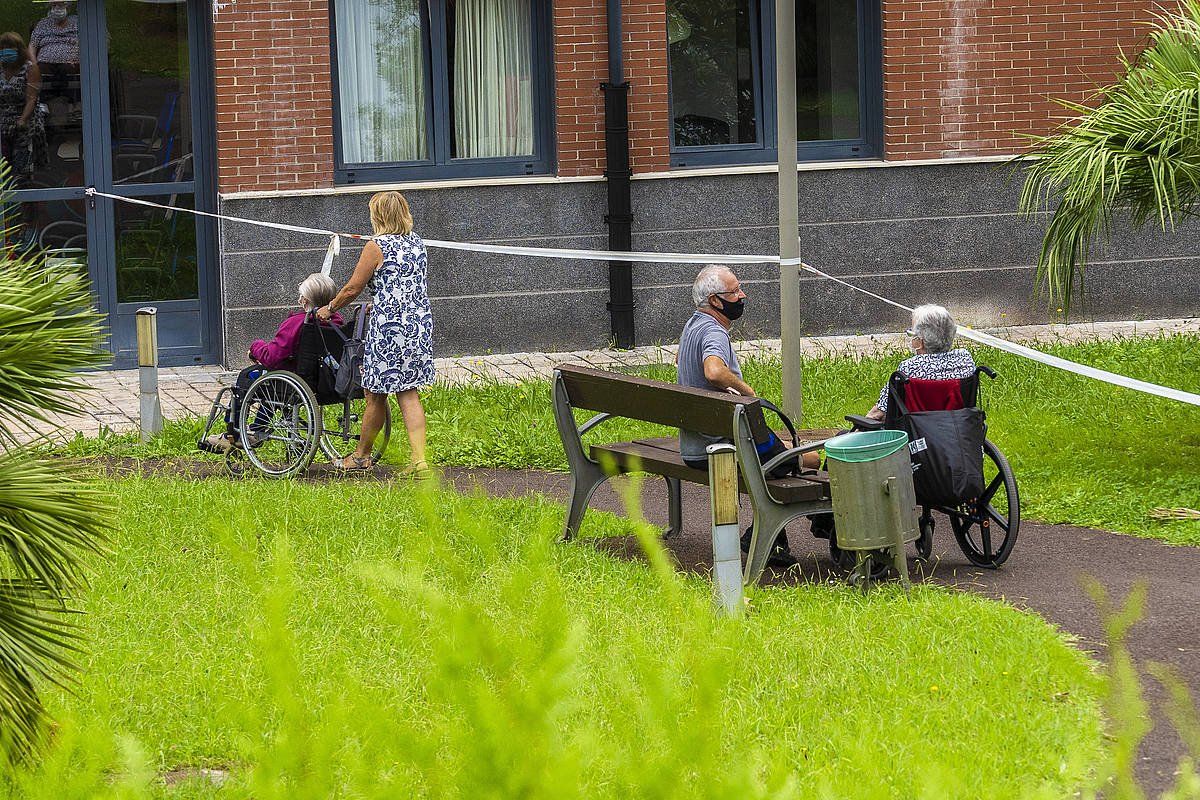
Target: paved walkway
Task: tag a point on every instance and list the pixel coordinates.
(188, 391)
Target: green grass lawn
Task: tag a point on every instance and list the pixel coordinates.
(1084, 452)
(387, 640)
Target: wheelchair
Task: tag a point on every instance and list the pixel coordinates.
(985, 526)
(283, 417)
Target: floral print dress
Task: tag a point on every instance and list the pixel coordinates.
(24, 146)
(398, 354)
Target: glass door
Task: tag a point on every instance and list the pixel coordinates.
(117, 110)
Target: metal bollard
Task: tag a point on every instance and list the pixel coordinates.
(150, 415)
(727, 553)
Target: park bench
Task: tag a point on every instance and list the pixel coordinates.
(613, 395)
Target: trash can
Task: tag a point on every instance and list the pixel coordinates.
(870, 478)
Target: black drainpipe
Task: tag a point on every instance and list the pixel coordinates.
(620, 206)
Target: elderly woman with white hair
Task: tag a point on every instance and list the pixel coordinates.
(931, 339)
(279, 353)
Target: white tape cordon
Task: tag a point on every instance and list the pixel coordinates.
(692, 258)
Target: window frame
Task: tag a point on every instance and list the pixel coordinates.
(869, 145)
(438, 131)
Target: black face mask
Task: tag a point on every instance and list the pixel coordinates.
(732, 309)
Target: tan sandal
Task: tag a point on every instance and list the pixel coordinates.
(418, 471)
(354, 464)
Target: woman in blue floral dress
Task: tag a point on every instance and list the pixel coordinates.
(398, 354)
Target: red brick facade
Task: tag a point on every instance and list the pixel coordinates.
(581, 56)
(961, 77)
(970, 77)
(274, 95)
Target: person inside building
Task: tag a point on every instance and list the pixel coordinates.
(707, 360)
(930, 339)
(54, 47)
(279, 353)
(22, 126)
(398, 352)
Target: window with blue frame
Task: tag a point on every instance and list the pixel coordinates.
(722, 79)
(441, 88)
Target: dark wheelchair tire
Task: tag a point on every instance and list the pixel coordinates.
(278, 424)
(339, 439)
(977, 523)
(924, 542)
(847, 560)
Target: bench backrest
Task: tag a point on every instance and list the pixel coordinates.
(701, 410)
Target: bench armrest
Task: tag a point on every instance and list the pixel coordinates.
(862, 423)
(593, 422)
(792, 452)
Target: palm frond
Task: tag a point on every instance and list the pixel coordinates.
(1137, 152)
(47, 518)
(48, 332)
(50, 519)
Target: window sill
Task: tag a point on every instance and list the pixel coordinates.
(528, 180)
(415, 185)
(813, 166)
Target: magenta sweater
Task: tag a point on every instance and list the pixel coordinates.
(280, 352)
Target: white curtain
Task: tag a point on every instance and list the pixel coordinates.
(493, 79)
(381, 80)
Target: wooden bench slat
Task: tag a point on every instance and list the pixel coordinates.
(700, 410)
(660, 461)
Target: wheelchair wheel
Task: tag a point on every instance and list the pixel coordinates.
(342, 424)
(847, 560)
(924, 541)
(986, 528)
(279, 424)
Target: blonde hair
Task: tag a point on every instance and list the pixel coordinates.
(390, 214)
(318, 289)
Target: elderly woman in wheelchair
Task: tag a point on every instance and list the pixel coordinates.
(292, 401)
(933, 395)
(279, 353)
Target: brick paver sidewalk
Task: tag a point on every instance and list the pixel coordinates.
(112, 402)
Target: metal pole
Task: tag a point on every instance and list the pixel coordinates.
(617, 172)
(727, 552)
(789, 211)
(149, 408)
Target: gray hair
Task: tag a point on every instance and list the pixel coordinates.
(935, 326)
(710, 281)
(318, 289)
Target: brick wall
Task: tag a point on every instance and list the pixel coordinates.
(961, 77)
(581, 56)
(274, 97)
(968, 77)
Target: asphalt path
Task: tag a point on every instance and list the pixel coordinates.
(1045, 573)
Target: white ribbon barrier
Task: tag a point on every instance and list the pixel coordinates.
(693, 258)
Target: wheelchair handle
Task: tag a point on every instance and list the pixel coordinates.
(991, 373)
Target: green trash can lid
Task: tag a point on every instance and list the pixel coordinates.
(865, 445)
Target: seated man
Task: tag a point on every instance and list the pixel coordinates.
(706, 360)
(280, 353)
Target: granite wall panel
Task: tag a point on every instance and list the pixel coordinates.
(943, 233)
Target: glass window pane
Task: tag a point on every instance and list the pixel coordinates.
(491, 80)
(42, 141)
(156, 251)
(827, 104)
(381, 80)
(49, 228)
(712, 72)
(151, 117)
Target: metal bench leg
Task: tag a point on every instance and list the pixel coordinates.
(767, 527)
(586, 477)
(674, 506)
